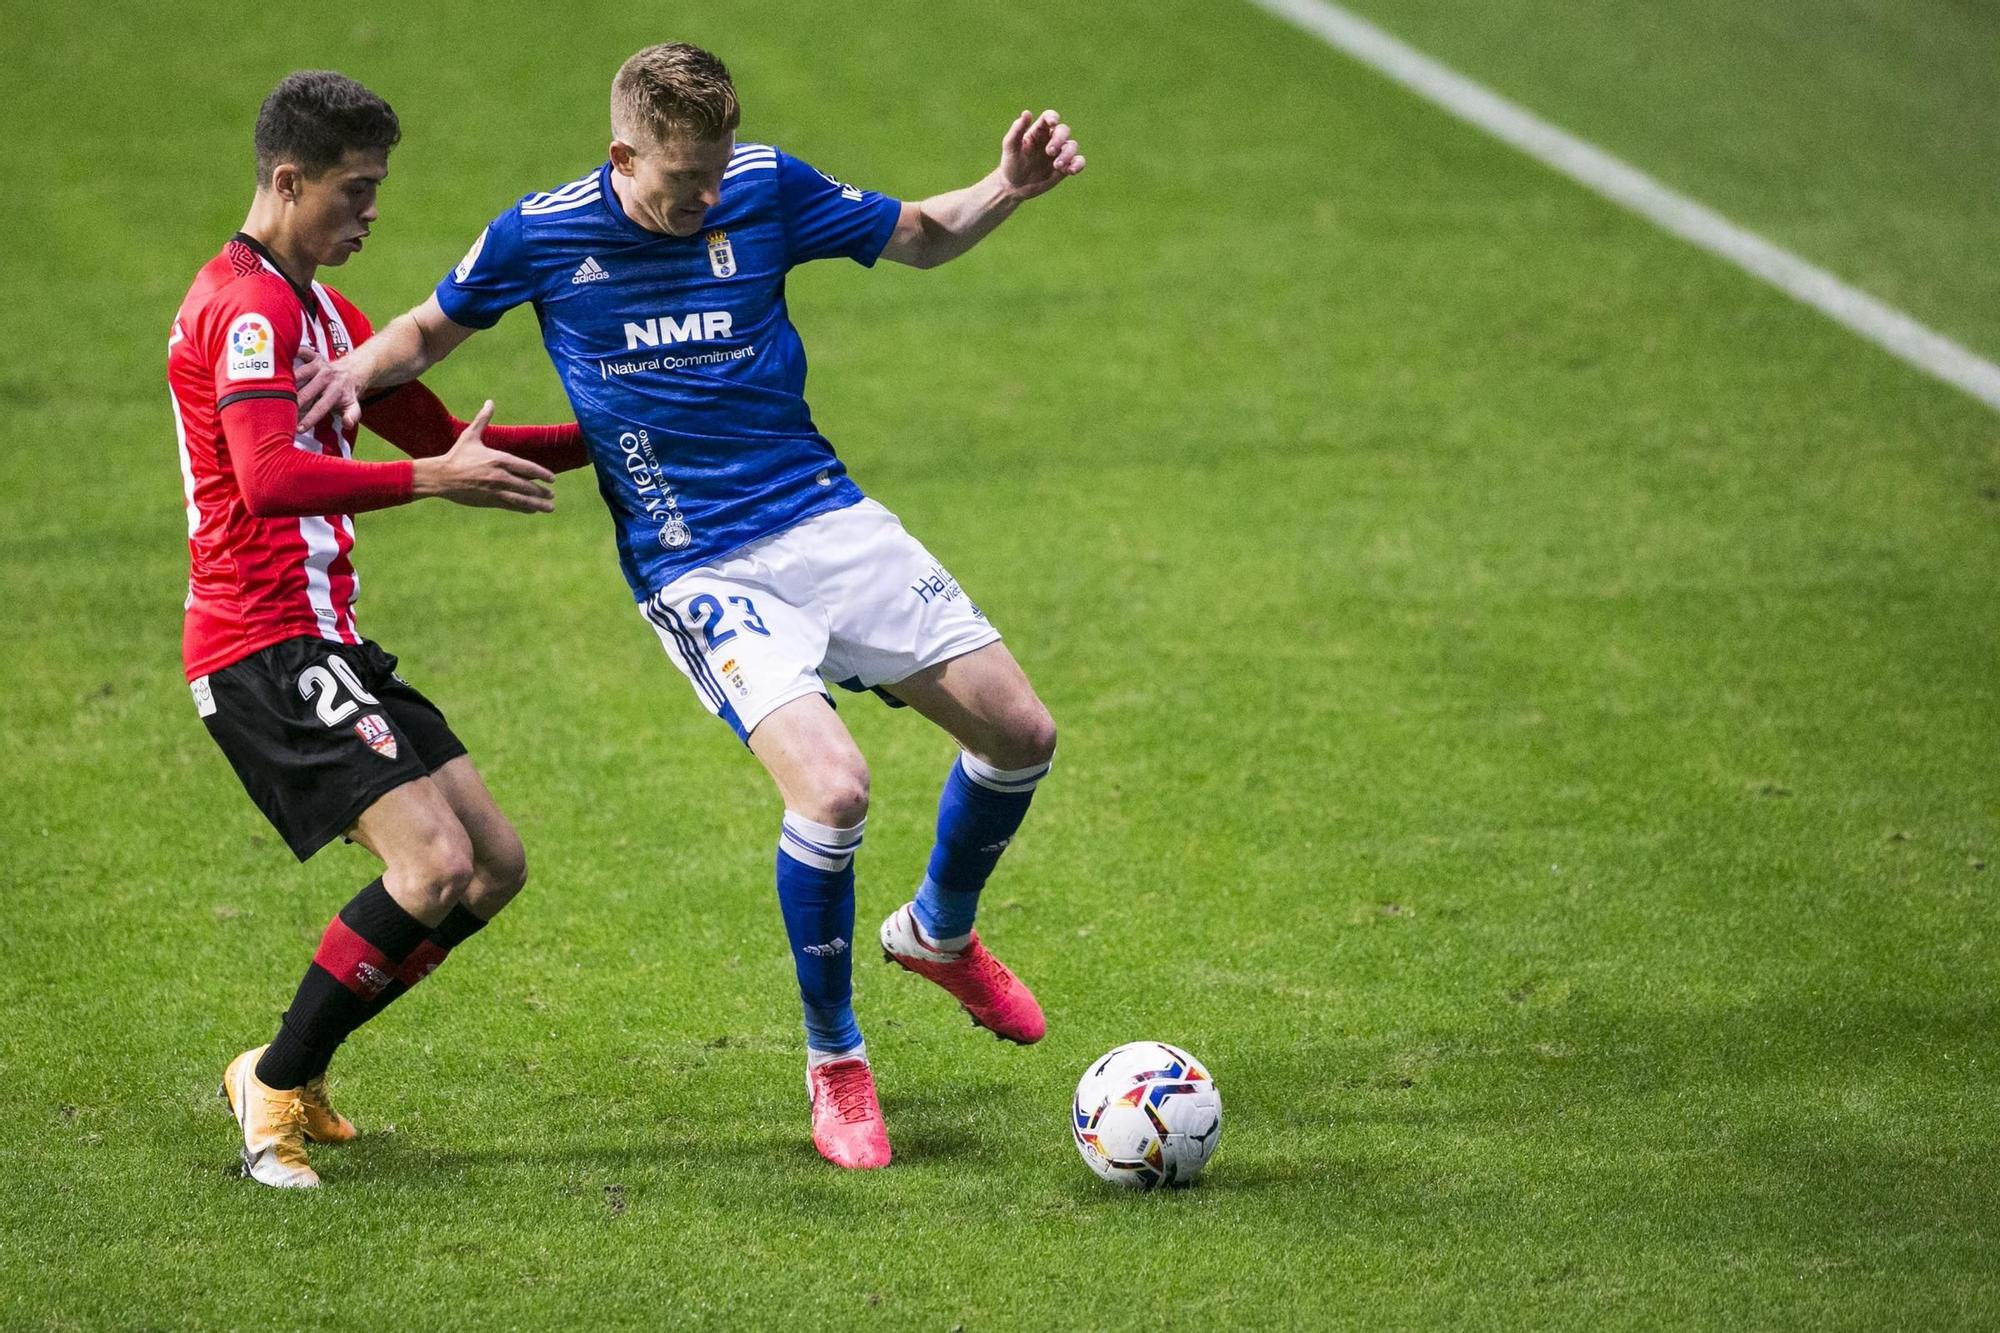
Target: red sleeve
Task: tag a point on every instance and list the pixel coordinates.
(413, 419)
(255, 327)
(278, 479)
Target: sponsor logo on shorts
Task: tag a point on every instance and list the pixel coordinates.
(375, 734)
(251, 354)
(833, 948)
(937, 586)
(204, 698)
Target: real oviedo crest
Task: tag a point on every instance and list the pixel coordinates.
(721, 258)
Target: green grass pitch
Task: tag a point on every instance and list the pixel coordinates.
(1527, 692)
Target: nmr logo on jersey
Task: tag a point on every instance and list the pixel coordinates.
(250, 345)
(693, 327)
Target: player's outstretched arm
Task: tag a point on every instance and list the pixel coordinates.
(279, 480)
(411, 344)
(469, 473)
(1036, 155)
(416, 421)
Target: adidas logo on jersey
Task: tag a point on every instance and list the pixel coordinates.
(588, 271)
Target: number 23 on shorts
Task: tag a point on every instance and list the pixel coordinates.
(709, 616)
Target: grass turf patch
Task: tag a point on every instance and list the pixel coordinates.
(1527, 709)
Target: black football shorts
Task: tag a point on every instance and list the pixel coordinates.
(320, 731)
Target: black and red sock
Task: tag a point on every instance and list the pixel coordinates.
(364, 946)
(458, 926)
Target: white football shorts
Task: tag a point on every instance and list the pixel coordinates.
(847, 597)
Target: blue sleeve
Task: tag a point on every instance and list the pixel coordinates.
(492, 279)
(825, 219)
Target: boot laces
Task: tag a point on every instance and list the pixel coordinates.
(986, 971)
(851, 1089)
(288, 1122)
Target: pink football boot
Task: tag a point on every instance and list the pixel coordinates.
(994, 996)
(847, 1119)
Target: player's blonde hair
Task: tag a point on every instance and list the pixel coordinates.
(672, 90)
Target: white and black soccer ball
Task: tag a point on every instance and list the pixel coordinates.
(1146, 1114)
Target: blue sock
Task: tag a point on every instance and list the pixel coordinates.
(978, 812)
(816, 894)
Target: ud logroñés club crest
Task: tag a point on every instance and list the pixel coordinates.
(374, 732)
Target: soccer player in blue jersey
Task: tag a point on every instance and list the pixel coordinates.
(659, 281)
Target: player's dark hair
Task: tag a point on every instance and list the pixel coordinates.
(673, 89)
(314, 117)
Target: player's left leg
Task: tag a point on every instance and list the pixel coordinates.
(983, 700)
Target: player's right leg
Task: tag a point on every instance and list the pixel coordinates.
(823, 779)
(751, 646)
(320, 753)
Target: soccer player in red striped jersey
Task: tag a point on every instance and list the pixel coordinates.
(327, 738)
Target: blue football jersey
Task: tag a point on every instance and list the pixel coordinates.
(677, 353)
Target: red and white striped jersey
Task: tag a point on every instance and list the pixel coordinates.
(255, 581)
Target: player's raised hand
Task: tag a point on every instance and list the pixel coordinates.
(324, 387)
(471, 474)
(1038, 154)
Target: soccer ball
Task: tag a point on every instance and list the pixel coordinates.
(1146, 1114)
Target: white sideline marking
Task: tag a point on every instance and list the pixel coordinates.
(1600, 172)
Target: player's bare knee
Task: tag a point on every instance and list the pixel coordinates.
(435, 871)
(1038, 738)
(503, 868)
(840, 798)
(1026, 741)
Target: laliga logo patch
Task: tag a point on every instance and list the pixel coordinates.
(250, 344)
(721, 256)
(375, 734)
(464, 269)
